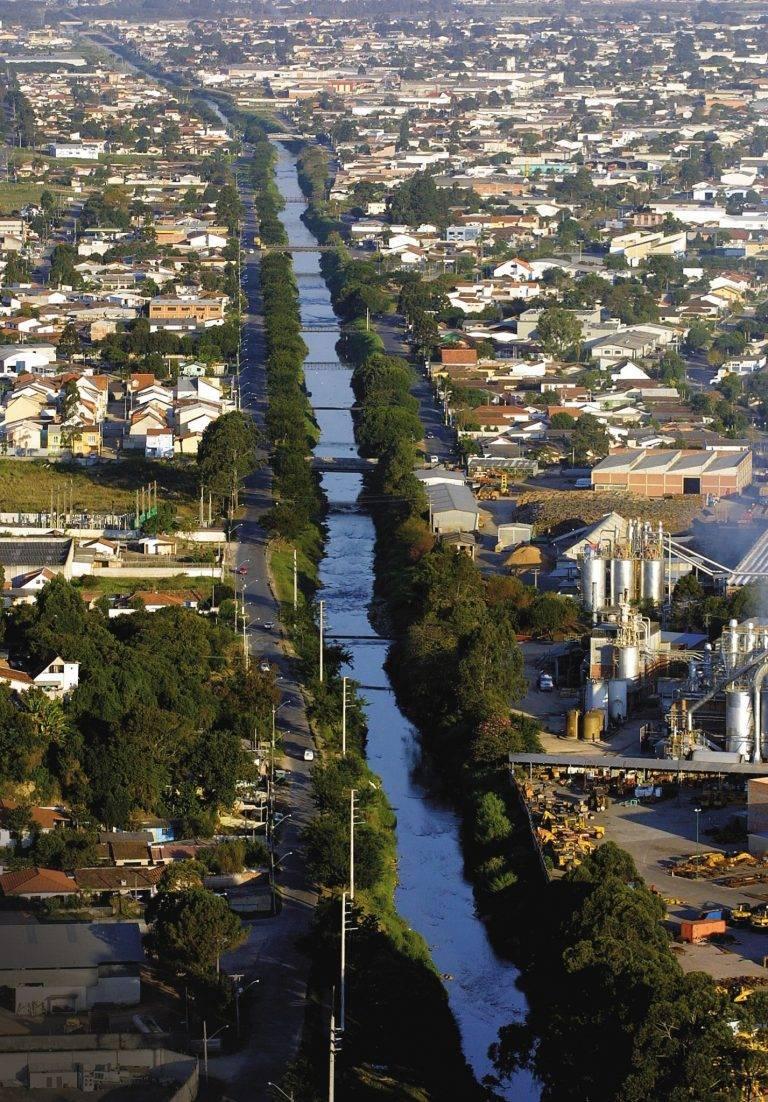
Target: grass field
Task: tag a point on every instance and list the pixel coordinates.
(15, 196)
(106, 488)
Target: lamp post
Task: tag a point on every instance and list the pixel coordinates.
(206, 1039)
(281, 1092)
(236, 977)
(697, 811)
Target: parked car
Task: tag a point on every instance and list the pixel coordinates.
(309, 755)
(546, 684)
(264, 666)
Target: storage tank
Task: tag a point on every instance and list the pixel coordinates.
(749, 638)
(594, 722)
(593, 583)
(729, 643)
(595, 695)
(628, 663)
(652, 580)
(572, 723)
(738, 721)
(617, 700)
(622, 579)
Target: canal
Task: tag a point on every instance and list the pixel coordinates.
(432, 895)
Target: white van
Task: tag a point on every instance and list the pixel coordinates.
(583, 484)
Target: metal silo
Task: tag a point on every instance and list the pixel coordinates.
(652, 580)
(628, 663)
(729, 643)
(738, 721)
(593, 583)
(595, 695)
(622, 580)
(617, 700)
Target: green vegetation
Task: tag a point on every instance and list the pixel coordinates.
(599, 959)
(226, 456)
(155, 725)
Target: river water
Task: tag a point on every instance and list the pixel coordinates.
(432, 895)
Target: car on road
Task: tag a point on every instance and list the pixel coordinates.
(265, 666)
(434, 459)
(309, 755)
(241, 570)
(269, 624)
(545, 683)
(430, 436)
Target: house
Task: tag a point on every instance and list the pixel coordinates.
(103, 881)
(35, 883)
(33, 560)
(56, 678)
(156, 545)
(158, 443)
(43, 820)
(70, 966)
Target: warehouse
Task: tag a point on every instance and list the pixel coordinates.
(453, 508)
(656, 472)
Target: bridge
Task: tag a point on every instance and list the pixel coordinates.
(294, 199)
(320, 327)
(296, 248)
(332, 464)
(330, 365)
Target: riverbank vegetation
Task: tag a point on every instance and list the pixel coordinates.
(413, 1044)
(595, 957)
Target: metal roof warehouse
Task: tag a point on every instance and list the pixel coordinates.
(653, 473)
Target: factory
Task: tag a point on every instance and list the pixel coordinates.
(659, 471)
(625, 645)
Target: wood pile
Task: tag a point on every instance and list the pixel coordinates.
(553, 512)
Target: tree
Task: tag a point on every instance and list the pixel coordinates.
(69, 341)
(558, 330)
(228, 454)
(590, 439)
(562, 421)
(192, 928)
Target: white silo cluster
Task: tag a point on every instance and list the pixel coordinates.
(626, 571)
(628, 650)
(746, 698)
(735, 671)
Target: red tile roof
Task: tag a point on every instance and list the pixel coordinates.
(36, 881)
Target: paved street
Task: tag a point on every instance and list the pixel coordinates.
(439, 439)
(272, 954)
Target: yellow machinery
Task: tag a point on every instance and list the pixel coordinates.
(742, 912)
(503, 483)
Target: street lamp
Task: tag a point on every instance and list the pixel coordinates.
(206, 1039)
(238, 992)
(280, 1090)
(697, 811)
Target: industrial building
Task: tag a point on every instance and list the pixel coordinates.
(660, 471)
(452, 505)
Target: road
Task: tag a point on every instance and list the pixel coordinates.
(440, 440)
(272, 954)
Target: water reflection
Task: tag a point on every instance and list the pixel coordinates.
(432, 895)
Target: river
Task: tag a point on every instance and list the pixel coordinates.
(432, 895)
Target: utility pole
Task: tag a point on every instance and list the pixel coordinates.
(322, 610)
(246, 656)
(343, 976)
(343, 717)
(352, 795)
(295, 582)
(331, 1050)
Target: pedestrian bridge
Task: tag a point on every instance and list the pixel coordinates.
(332, 464)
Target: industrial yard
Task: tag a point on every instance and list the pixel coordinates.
(572, 812)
